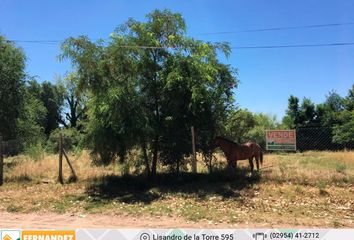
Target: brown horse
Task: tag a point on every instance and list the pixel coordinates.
(234, 151)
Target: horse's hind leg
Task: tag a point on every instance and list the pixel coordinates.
(251, 163)
(257, 162)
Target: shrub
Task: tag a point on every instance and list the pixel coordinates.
(72, 140)
(35, 151)
(322, 187)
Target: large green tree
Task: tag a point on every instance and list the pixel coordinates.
(74, 109)
(263, 122)
(12, 76)
(349, 100)
(52, 97)
(333, 105)
(292, 117)
(148, 85)
(335, 115)
(238, 124)
(31, 121)
(343, 131)
(243, 126)
(300, 114)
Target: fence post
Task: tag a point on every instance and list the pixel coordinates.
(194, 158)
(60, 173)
(1, 163)
(73, 176)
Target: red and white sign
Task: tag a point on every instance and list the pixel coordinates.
(281, 140)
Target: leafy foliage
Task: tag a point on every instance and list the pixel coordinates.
(32, 121)
(51, 96)
(344, 133)
(243, 126)
(263, 122)
(239, 123)
(335, 112)
(72, 140)
(74, 103)
(12, 76)
(150, 96)
(344, 130)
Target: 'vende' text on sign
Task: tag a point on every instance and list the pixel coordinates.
(284, 140)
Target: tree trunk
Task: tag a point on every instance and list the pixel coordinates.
(146, 159)
(154, 158)
(157, 114)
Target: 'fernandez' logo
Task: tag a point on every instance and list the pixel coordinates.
(10, 235)
(48, 235)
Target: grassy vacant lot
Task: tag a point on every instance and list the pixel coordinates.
(314, 189)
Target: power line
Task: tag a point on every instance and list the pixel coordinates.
(297, 45)
(220, 33)
(56, 42)
(279, 28)
(36, 41)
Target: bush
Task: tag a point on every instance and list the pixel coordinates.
(72, 140)
(35, 151)
(322, 187)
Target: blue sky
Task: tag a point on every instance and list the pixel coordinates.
(267, 76)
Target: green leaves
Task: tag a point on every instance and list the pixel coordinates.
(12, 76)
(335, 113)
(344, 133)
(149, 84)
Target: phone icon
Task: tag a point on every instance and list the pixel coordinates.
(259, 236)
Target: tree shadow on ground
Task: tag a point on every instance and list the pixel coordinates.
(139, 188)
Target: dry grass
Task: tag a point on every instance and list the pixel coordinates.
(46, 169)
(310, 168)
(308, 189)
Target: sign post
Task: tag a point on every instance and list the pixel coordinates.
(281, 140)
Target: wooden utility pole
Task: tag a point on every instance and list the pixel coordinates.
(60, 173)
(194, 159)
(1, 163)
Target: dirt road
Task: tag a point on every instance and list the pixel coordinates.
(53, 220)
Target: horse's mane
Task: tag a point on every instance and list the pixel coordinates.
(227, 140)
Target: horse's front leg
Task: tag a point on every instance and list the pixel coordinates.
(232, 162)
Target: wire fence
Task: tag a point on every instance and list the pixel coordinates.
(13, 147)
(318, 138)
(307, 138)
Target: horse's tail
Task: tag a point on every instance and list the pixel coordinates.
(261, 157)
